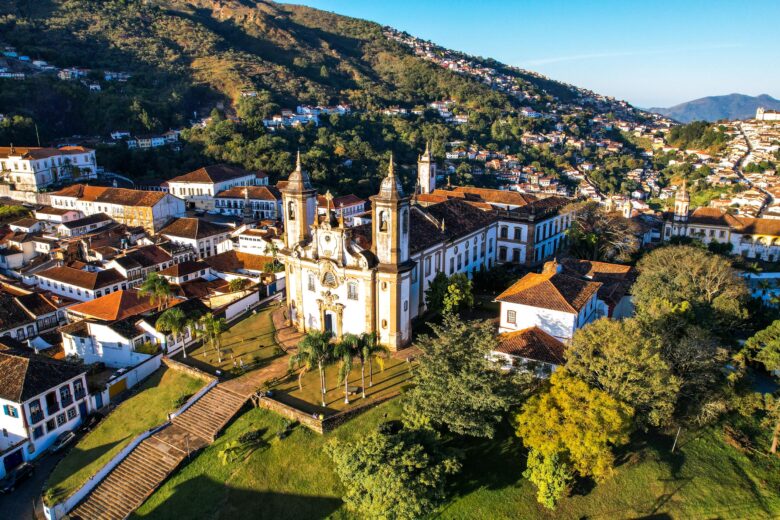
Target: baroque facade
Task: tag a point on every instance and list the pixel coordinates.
(373, 277)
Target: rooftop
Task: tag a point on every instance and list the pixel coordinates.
(83, 279)
(119, 196)
(115, 306)
(551, 290)
(254, 193)
(24, 374)
(532, 343)
(192, 228)
(213, 173)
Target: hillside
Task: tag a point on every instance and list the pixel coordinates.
(714, 108)
(190, 56)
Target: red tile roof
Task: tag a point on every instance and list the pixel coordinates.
(120, 196)
(213, 173)
(233, 261)
(255, 193)
(192, 228)
(532, 343)
(554, 291)
(84, 279)
(115, 306)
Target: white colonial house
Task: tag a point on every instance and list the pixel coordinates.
(31, 168)
(150, 210)
(40, 398)
(557, 303)
(204, 238)
(252, 202)
(753, 238)
(200, 187)
(80, 285)
(84, 226)
(56, 216)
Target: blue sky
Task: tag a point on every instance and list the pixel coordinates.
(651, 53)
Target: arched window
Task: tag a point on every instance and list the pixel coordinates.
(383, 221)
(291, 210)
(404, 222)
(312, 282)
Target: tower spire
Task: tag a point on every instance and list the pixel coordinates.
(298, 161)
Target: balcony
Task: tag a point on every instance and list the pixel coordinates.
(36, 417)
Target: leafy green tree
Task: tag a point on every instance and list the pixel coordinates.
(393, 477)
(672, 276)
(459, 294)
(617, 357)
(456, 385)
(436, 291)
(551, 476)
(578, 423)
(157, 289)
(237, 284)
(764, 347)
(313, 350)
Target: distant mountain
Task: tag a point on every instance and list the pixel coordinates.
(713, 108)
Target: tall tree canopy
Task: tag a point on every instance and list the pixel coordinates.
(673, 276)
(597, 235)
(400, 476)
(576, 422)
(456, 386)
(618, 358)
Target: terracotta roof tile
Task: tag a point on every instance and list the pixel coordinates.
(554, 291)
(192, 228)
(213, 173)
(254, 192)
(24, 374)
(532, 343)
(84, 279)
(115, 306)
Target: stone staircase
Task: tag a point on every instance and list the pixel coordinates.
(136, 477)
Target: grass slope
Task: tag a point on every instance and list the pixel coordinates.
(148, 408)
(291, 479)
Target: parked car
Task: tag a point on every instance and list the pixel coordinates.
(62, 440)
(90, 422)
(15, 476)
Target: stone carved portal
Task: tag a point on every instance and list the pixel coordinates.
(329, 306)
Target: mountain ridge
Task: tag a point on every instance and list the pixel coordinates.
(714, 108)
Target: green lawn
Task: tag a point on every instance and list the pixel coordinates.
(292, 479)
(250, 340)
(148, 408)
(387, 382)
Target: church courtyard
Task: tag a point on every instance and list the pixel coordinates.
(247, 344)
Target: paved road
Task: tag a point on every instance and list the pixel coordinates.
(19, 505)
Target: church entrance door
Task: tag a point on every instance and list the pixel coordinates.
(329, 322)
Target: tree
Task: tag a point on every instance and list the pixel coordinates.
(173, 321)
(596, 235)
(213, 327)
(369, 350)
(157, 289)
(551, 476)
(400, 476)
(345, 351)
(237, 284)
(313, 350)
(456, 385)
(449, 294)
(578, 423)
(675, 275)
(459, 294)
(764, 347)
(618, 358)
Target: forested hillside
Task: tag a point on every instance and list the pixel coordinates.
(191, 59)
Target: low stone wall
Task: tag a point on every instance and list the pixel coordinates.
(313, 423)
(187, 369)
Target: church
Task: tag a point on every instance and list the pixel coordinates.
(373, 277)
(753, 238)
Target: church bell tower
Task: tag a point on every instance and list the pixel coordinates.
(426, 171)
(299, 206)
(682, 203)
(390, 243)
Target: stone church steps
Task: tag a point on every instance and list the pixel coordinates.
(136, 477)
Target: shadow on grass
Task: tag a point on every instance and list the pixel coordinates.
(203, 497)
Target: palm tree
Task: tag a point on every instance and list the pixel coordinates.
(313, 349)
(157, 289)
(173, 321)
(213, 328)
(370, 351)
(345, 350)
